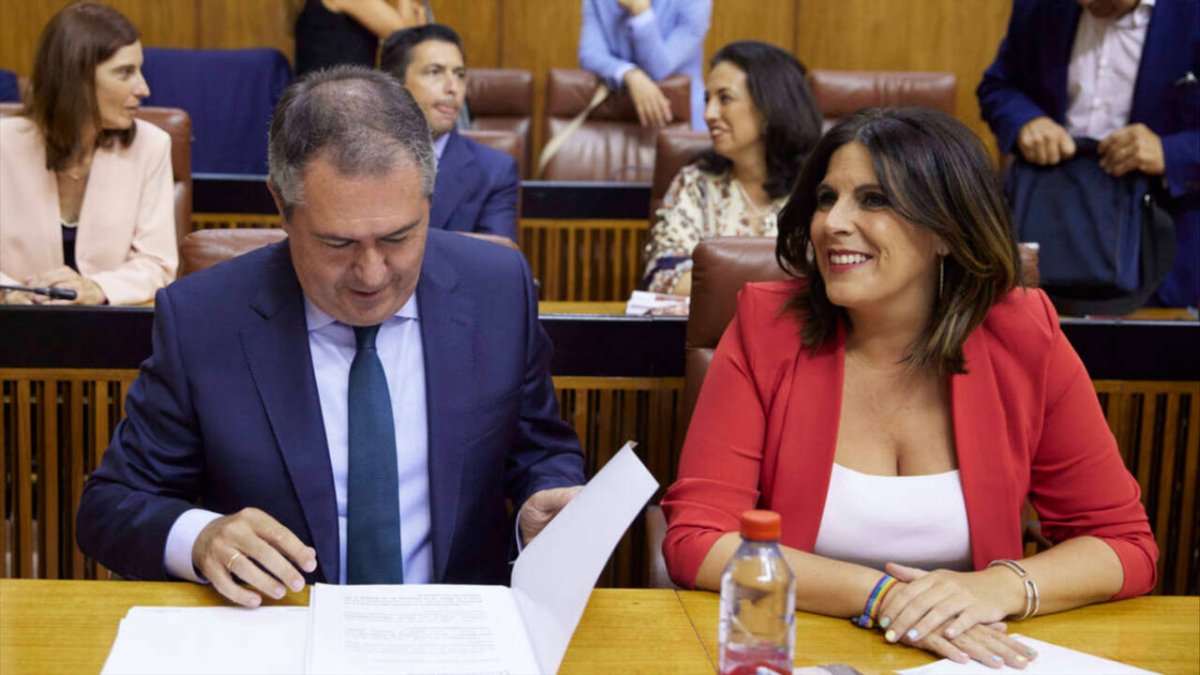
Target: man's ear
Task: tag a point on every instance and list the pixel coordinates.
(283, 221)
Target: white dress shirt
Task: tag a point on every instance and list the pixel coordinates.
(332, 346)
(1103, 70)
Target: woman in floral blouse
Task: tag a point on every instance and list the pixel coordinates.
(763, 121)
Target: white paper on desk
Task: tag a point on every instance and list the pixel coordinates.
(453, 629)
(178, 640)
(1051, 660)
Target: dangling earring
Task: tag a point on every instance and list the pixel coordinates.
(941, 275)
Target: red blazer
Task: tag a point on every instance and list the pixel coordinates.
(1027, 425)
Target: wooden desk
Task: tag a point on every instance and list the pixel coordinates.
(69, 626)
(1161, 634)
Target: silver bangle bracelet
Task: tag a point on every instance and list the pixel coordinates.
(1033, 600)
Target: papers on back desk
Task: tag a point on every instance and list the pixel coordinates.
(408, 629)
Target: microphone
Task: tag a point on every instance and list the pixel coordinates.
(53, 292)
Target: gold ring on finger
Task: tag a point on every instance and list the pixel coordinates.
(235, 556)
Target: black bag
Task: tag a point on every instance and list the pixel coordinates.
(1104, 243)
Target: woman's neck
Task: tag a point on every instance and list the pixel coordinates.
(751, 172)
(882, 337)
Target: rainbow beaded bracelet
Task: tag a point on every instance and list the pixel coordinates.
(874, 602)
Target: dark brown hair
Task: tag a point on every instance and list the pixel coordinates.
(62, 99)
(935, 173)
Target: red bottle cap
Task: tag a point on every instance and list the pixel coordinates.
(760, 525)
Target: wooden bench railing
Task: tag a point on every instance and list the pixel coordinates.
(574, 260)
(54, 425)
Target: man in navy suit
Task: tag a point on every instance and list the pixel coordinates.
(1122, 71)
(477, 186)
(245, 452)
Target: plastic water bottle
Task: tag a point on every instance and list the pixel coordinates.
(758, 602)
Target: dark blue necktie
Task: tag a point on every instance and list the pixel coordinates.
(373, 553)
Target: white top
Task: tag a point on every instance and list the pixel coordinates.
(1103, 70)
(332, 346)
(913, 520)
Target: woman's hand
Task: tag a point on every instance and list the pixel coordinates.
(987, 644)
(947, 602)
(15, 298)
(87, 292)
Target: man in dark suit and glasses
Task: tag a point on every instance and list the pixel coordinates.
(352, 405)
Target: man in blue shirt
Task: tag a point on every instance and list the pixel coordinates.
(353, 405)
(633, 44)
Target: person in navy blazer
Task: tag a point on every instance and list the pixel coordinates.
(477, 187)
(229, 415)
(1028, 81)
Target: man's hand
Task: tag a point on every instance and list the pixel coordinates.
(540, 509)
(652, 106)
(245, 544)
(1042, 141)
(1132, 148)
(634, 7)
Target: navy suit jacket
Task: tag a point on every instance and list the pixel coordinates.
(1029, 79)
(476, 189)
(226, 414)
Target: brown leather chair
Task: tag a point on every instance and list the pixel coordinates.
(204, 248)
(720, 267)
(506, 141)
(841, 92)
(610, 145)
(501, 99)
(178, 124)
(674, 149)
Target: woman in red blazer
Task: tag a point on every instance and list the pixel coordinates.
(900, 401)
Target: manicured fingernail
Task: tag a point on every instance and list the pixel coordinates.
(963, 658)
(255, 601)
(950, 633)
(1022, 659)
(1031, 651)
(911, 634)
(297, 584)
(890, 636)
(996, 659)
(277, 592)
(885, 622)
(310, 565)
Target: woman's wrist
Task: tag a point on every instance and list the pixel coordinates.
(1009, 586)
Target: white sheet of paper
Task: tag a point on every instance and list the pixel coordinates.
(1051, 660)
(184, 640)
(555, 574)
(416, 629)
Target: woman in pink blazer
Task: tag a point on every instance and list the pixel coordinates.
(899, 402)
(86, 198)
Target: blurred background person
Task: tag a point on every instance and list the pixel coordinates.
(763, 120)
(477, 187)
(1123, 72)
(88, 201)
(632, 44)
(900, 400)
(336, 32)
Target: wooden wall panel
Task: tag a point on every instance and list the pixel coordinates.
(945, 35)
(239, 24)
(477, 22)
(772, 21)
(538, 36)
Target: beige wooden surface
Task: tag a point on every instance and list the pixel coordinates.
(69, 626)
(1161, 634)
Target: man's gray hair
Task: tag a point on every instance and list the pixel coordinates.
(362, 121)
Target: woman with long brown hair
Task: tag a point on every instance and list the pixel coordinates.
(899, 401)
(86, 193)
